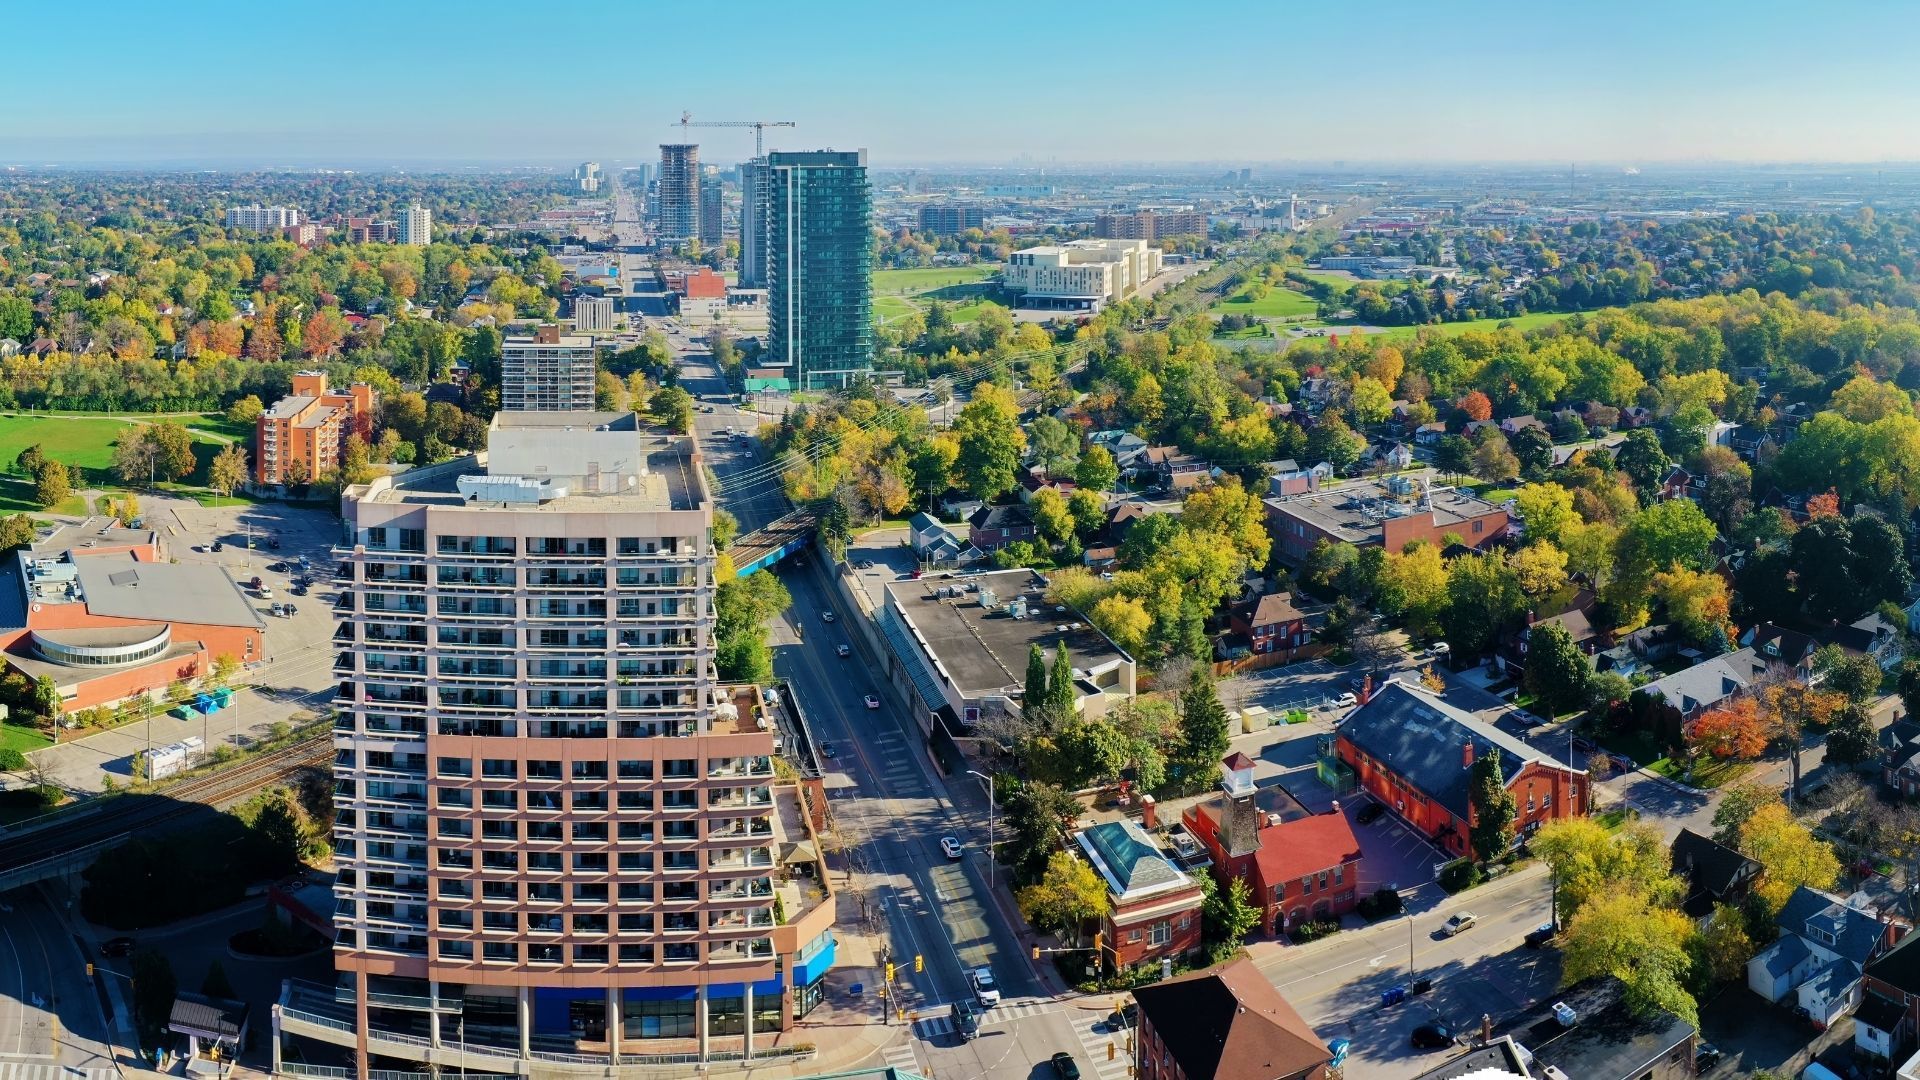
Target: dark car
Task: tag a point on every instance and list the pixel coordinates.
(1539, 935)
(966, 1019)
(219, 546)
(119, 946)
(1370, 813)
(1432, 1036)
(278, 568)
(1063, 1066)
(1127, 1017)
(1705, 1057)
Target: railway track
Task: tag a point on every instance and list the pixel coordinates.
(101, 821)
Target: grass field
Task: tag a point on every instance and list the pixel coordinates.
(23, 739)
(1327, 277)
(88, 441)
(897, 293)
(1278, 303)
(926, 278)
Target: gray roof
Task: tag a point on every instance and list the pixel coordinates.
(1709, 681)
(1788, 953)
(163, 592)
(289, 406)
(1127, 858)
(1810, 913)
(1421, 738)
(1834, 980)
(1610, 1041)
(201, 1014)
(985, 652)
(1347, 512)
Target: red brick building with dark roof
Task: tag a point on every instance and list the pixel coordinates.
(1271, 622)
(1224, 1023)
(1298, 867)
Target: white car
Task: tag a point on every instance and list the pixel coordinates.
(984, 987)
(873, 702)
(1441, 648)
(1345, 701)
(826, 616)
(951, 846)
(1458, 923)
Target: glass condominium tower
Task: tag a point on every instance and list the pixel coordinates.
(559, 837)
(819, 266)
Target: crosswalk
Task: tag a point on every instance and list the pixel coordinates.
(1095, 1040)
(933, 1027)
(901, 1056)
(22, 1070)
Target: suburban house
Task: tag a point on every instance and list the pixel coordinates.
(1514, 425)
(1574, 620)
(1225, 1023)
(935, 544)
(1162, 465)
(1790, 649)
(1288, 477)
(1681, 484)
(1678, 699)
(1714, 872)
(1635, 416)
(1299, 867)
(1392, 455)
(1391, 513)
(1430, 434)
(1887, 1022)
(1125, 446)
(1271, 622)
(1639, 651)
(1153, 909)
(1415, 753)
(1900, 756)
(1035, 480)
(1872, 634)
(1825, 944)
(994, 527)
(1751, 443)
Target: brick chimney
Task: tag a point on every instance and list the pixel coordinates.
(547, 334)
(1149, 813)
(1366, 690)
(1466, 754)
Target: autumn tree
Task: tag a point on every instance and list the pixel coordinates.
(1697, 602)
(1475, 406)
(1722, 947)
(1622, 933)
(51, 484)
(228, 470)
(1733, 729)
(1789, 853)
(990, 442)
(245, 410)
(174, 447)
(1587, 860)
(1068, 894)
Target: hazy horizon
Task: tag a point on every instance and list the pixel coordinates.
(1227, 83)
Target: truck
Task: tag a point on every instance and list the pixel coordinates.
(165, 761)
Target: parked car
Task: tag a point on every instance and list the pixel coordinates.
(118, 946)
(1370, 813)
(1441, 648)
(984, 987)
(1458, 923)
(1064, 1067)
(219, 546)
(951, 846)
(1705, 1057)
(1345, 701)
(1540, 935)
(826, 750)
(265, 593)
(966, 1019)
(872, 702)
(1432, 1036)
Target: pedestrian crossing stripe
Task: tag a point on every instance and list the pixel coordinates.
(932, 1027)
(1095, 1038)
(901, 1056)
(19, 1070)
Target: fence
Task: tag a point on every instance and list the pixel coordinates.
(1262, 661)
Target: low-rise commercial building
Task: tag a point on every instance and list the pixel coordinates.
(1299, 867)
(1225, 1023)
(96, 608)
(959, 647)
(1080, 275)
(303, 436)
(1153, 910)
(1390, 513)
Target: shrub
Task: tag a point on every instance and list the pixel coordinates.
(1460, 875)
(1380, 904)
(1314, 931)
(12, 760)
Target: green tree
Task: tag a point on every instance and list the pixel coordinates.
(46, 696)
(51, 485)
(216, 984)
(1587, 860)
(1546, 510)
(1055, 445)
(1038, 817)
(1789, 853)
(1642, 459)
(1557, 671)
(990, 440)
(1852, 674)
(1035, 691)
(1852, 738)
(1096, 471)
(1068, 894)
(1722, 948)
(28, 461)
(1060, 686)
(1203, 729)
(1227, 917)
(278, 836)
(725, 528)
(1483, 596)
(1493, 807)
(154, 989)
(1623, 934)
(245, 410)
(174, 446)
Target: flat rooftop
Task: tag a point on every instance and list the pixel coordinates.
(118, 587)
(986, 650)
(289, 406)
(1356, 512)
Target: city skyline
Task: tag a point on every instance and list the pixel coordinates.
(1635, 83)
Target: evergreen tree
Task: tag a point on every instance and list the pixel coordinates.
(1060, 690)
(1493, 807)
(1203, 727)
(1036, 690)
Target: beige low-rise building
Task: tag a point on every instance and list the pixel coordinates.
(1080, 274)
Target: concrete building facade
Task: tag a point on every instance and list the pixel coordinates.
(415, 227)
(1082, 275)
(951, 220)
(755, 188)
(1150, 225)
(548, 372)
(556, 829)
(679, 197)
(304, 435)
(262, 218)
(592, 314)
(713, 220)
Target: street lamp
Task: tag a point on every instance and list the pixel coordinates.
(990, 855)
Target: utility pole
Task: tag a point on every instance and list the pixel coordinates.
(990, 853)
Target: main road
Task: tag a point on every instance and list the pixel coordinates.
(51, 1025)
(892, 810)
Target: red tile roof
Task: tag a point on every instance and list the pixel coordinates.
(1294, 849)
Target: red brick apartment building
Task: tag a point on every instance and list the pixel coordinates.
(1391, 513)
(310, 426)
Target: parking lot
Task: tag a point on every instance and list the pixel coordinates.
(290, 683)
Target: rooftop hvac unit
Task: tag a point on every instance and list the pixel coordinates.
(1018, 608)
(988, 600)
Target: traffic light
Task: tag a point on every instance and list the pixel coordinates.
(889, 971)
(89, 969)
(1097, 940)
(1036, 952)
(919, 963)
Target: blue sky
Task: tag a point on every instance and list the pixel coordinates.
(984, 81)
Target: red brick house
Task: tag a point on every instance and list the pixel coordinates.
(1415, 753)
(1224, 1023)
(1299, 867)
(1271, 622)
(1154, 909)
(994, 527)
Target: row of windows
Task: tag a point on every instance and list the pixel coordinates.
(509, 799)
(594, 862)
(544, 769)
(547, 922)
(592, 831)
(598, 892)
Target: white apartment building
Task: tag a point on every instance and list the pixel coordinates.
(592, 314)
(416, 226)
(548, 372)
(1080, 274)
(262, 218)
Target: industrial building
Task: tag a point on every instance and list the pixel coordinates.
(560, 839)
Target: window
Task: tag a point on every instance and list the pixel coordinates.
(499, 768)
(456, 950)
(1546, 802)
(590, 954)
(1133, 936)
(1339, 876)
(500, 860)
(501, 950)
(452, 797)
(589, 770)
(455, 766)
(500, 890)
(1478, 527)
(548, 861)
(500, 920)
(1306, 884)
(1160, 933)
(636, 954)
(592, 893)
(500, 800)
(543, 770)
(544, 892)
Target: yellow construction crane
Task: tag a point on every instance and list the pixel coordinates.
(759, 128)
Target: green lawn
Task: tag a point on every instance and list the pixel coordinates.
(897, 293)
(23, 739)
(1326, 277)
(926, 278)
(1278, 303)
(1256, 330)
(87, 441)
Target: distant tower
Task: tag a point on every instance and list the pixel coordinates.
(755, 182)
(679, 193)
(712, 220)
(416, 226)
